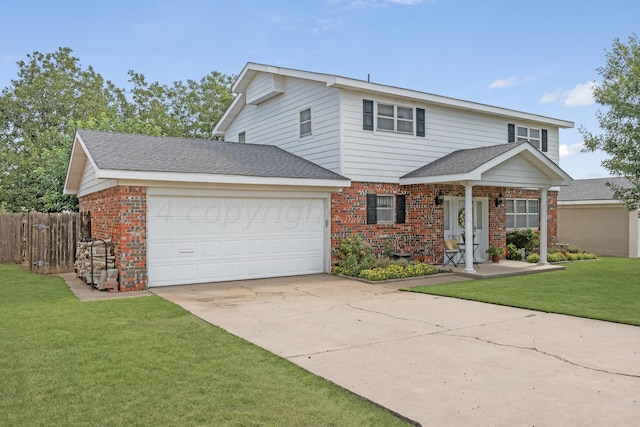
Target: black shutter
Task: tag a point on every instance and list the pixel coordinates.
(420, 121)
(367, 114)
(372, 209)
(511, 130)
(400, 209)
(545, 141)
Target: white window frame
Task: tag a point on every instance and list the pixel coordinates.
(531, 210)
(305, 122)
(524, 133)
(242, 136)
(395, 119)
(385, 210)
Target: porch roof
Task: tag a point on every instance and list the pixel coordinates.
(517, 164)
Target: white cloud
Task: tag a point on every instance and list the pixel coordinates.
(550, 97)
(380, 4)
(10, 59)
(502, 83)
(567, 150)
(580, 95)
(325, 25)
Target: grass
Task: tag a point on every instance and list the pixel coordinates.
(606, 289)
(145, 361)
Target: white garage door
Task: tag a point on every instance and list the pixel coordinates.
(211, 239)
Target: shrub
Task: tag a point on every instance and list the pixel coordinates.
(556, 257)
(527, 239)
(573, 249)
(354, 255)
(513, 253)
(533, 258)
(398, 271)
(382, 262)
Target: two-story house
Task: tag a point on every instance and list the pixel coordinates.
(312, 158)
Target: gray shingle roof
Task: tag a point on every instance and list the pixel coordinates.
(590, 189)
(462, 161)
(121, 151)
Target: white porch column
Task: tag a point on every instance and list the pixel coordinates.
(468, 229)
(543, 227)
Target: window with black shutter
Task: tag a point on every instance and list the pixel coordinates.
(545, 141)
(420, 122)
(372, 209)
(511, 131)
(400, 209)
(367, 114)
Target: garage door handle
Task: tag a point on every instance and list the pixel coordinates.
(187, 251)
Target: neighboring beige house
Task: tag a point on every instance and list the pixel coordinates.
(590, 218)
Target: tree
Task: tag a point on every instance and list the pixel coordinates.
(619, 95)
(53, 95)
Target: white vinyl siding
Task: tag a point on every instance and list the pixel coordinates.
(381, 156)
(277, 122)
(90, 184)
(518, 172)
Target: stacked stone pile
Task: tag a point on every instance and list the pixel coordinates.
(105, 275)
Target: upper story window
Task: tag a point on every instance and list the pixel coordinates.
(523, 213)
(242, 137)
(305, 122)
(537, 137)
(393, 118)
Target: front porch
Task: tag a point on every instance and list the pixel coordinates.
(504, 268)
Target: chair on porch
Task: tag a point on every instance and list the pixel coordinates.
(451, 252)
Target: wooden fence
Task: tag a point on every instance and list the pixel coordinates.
(45, 242)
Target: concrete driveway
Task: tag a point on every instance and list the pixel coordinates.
(439, 361)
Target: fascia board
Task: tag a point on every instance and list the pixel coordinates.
(439, 179)
(79, 152)
(230, 115)
(219, 179)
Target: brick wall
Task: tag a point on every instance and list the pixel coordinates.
(423, 233)
(607, 230)
(120, 213)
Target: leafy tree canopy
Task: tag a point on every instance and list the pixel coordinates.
(53, 95)
(619, 95)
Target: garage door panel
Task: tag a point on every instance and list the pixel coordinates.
(211, 271)
(186, 227)
(208, 239)
(160, 250)
(186, 272)
(256, 247)
(211, 248)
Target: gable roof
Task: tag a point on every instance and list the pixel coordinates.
(129, 156)
(252, 69)
(590, 190)
(471, 164)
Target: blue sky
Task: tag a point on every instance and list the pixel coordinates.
(535, 56)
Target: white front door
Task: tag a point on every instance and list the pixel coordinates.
(453, 229)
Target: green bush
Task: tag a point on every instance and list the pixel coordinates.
(533, 258)
(573, 249)
(397, 271)
(354, 255)
(556, 257)
(527, 239)
(513, 253)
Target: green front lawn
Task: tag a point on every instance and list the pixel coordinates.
(606, 289)
(147, 362)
